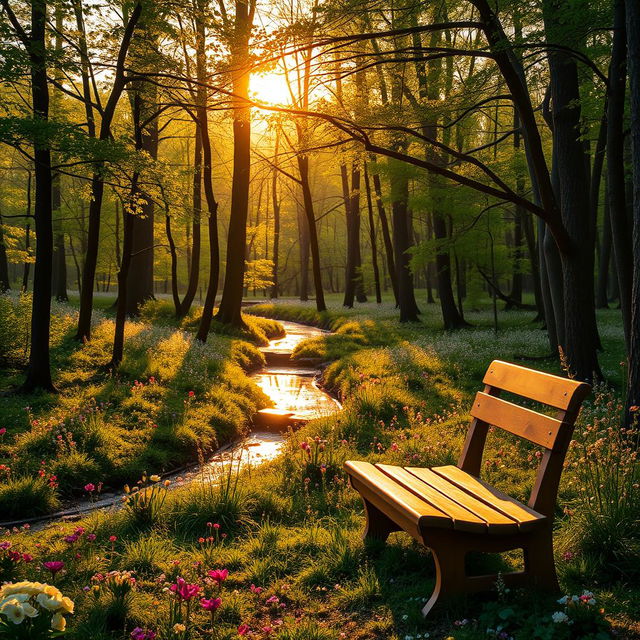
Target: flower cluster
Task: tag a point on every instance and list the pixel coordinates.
(22, 601)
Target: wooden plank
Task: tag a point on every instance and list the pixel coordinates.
(535, 385)
(497, 522)
(391, 493)
(526, 423)
(526, 517)
(463, 519)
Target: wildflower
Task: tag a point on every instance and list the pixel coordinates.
(304, 445)
(3, 431)
(218, 575)
(155, 478)
(143, 634)
(256, 590)
(560, 617)
(54, 566)
(167, 483)
(90, 487)
(91, 537)
(71, 539)
(244, 630)
(178, 627)
(210, 605)
(184, 590)
(27, 557)
(113, 538)
(192, 394)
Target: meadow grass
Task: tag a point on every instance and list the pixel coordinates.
(289, 531)
(172, 400)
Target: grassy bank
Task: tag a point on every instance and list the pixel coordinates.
(288, 533)
(172, 400)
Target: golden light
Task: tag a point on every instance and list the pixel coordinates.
(270, 88)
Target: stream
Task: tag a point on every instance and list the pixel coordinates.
(296, 396)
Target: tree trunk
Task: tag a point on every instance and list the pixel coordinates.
(276, 219)
(633, 46)
(230, 311)
(581, 336)
(39, 371)
(386, 233)
(194, 262)
(5, 283)
(26, 267)
(97, 183)
(620, 231)
(372, 238)
(604, 264)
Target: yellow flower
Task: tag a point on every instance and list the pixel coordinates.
(179, 628)
(167, 483)
(13, 610)
(58, 623)
(155, 478)
(67, 604)
(51, 603)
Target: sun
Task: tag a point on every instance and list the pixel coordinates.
(270, 88)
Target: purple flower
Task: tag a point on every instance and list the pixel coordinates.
(54, 566)
(210, 605)
(143, 634)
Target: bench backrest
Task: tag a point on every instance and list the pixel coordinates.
(552, 433)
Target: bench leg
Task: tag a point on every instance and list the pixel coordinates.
(378, 525)
(539, 563)
(451, 578)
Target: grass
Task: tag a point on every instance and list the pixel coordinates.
(290, 531)
(172, 400)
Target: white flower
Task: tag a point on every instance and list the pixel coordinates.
(560, 616)
(563, 600)
(13, 610)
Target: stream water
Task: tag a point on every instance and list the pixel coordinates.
(293, 389)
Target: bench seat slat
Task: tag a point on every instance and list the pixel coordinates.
(536, 385)
(496, 521)
(525, 423)
(462, 518)
(383, 489)
(526, 517)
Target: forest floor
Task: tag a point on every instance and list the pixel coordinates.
(289, 533)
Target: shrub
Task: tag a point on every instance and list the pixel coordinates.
(24, 497)
(73, 470)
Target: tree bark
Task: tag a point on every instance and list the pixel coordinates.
(97, 183)
(230, 311)
(372, 238)
(5, 283)
(633, 48)
(620, 231)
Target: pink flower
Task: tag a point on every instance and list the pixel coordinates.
(272, 600)
(71, 539)
(210, 605)
(113, 538)
(91, 537)
(90, 487)
(54, 566)
(267, 629)
(3, 431)
(192, 394)
(394, 446)
(27, 557)
(216, 525)
(184, 590)
(244, 630)
(218, 575)
(143, 634)
(257, 590)
(304, 445)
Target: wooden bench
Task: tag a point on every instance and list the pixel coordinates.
(452, 511)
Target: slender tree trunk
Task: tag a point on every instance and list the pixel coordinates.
(212, 205)
(194, 262)
(620, 230)
(26, 267)
(372, 238)
(5, 283)
(633, 46)
(97, 183)
(39, 371)
(174, 260)
(386, 233)
(230, 311)
(602, 298)
(276, 219)
(303, 238)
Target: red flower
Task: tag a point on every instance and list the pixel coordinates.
(244, 630)
(184, 590)
(218, 575)
(113, 538)
(192, 394)
(90, 487)
(210, 605)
